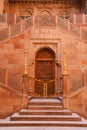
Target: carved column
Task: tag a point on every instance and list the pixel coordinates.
(25, 83)
(25, 79)
(66, 84)
(66, 90)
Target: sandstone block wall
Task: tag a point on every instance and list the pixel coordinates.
(31, 40)
(9, 102)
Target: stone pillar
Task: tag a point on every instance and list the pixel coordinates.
(66, 90)
(25, 84)
(25, 78)
(66, 83)
(24, 102)
(1, 6)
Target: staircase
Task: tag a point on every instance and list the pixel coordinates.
(44, 112)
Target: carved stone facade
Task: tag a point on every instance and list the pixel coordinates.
(44, 27)
(28, 10)
(44, 31)
(23, 7)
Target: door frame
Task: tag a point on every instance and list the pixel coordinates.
(53, 60)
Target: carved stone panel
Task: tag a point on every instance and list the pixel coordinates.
(45, 20)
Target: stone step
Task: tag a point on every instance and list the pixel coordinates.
(45, 103)
(45, 107)
(26, 110)
(17, 117)
(42, 123)
(45, 113)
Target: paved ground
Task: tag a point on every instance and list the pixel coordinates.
(42, 128)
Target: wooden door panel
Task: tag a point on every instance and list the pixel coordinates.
(50, 88)
(44, 72)
(39, 88)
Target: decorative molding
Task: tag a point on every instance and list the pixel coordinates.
(38, 43)
(26, 11)
(45, 39)
(46, 1)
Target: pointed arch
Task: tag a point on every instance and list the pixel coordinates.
(45, 47)
(64, 14)
(45, 12)
(28, 13)
(25, 13)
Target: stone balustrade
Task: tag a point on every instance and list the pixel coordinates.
(10, 80)
(13, 18)
(73, 86)
(9, 19)
(40, 21)
(77, 81)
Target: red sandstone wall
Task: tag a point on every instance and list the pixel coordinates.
(10, 102)
(78, 103)
(36, 37)
(12, 51)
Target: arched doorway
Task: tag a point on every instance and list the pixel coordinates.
(45, 72)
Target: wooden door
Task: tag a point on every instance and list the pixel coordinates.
(45, 71)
